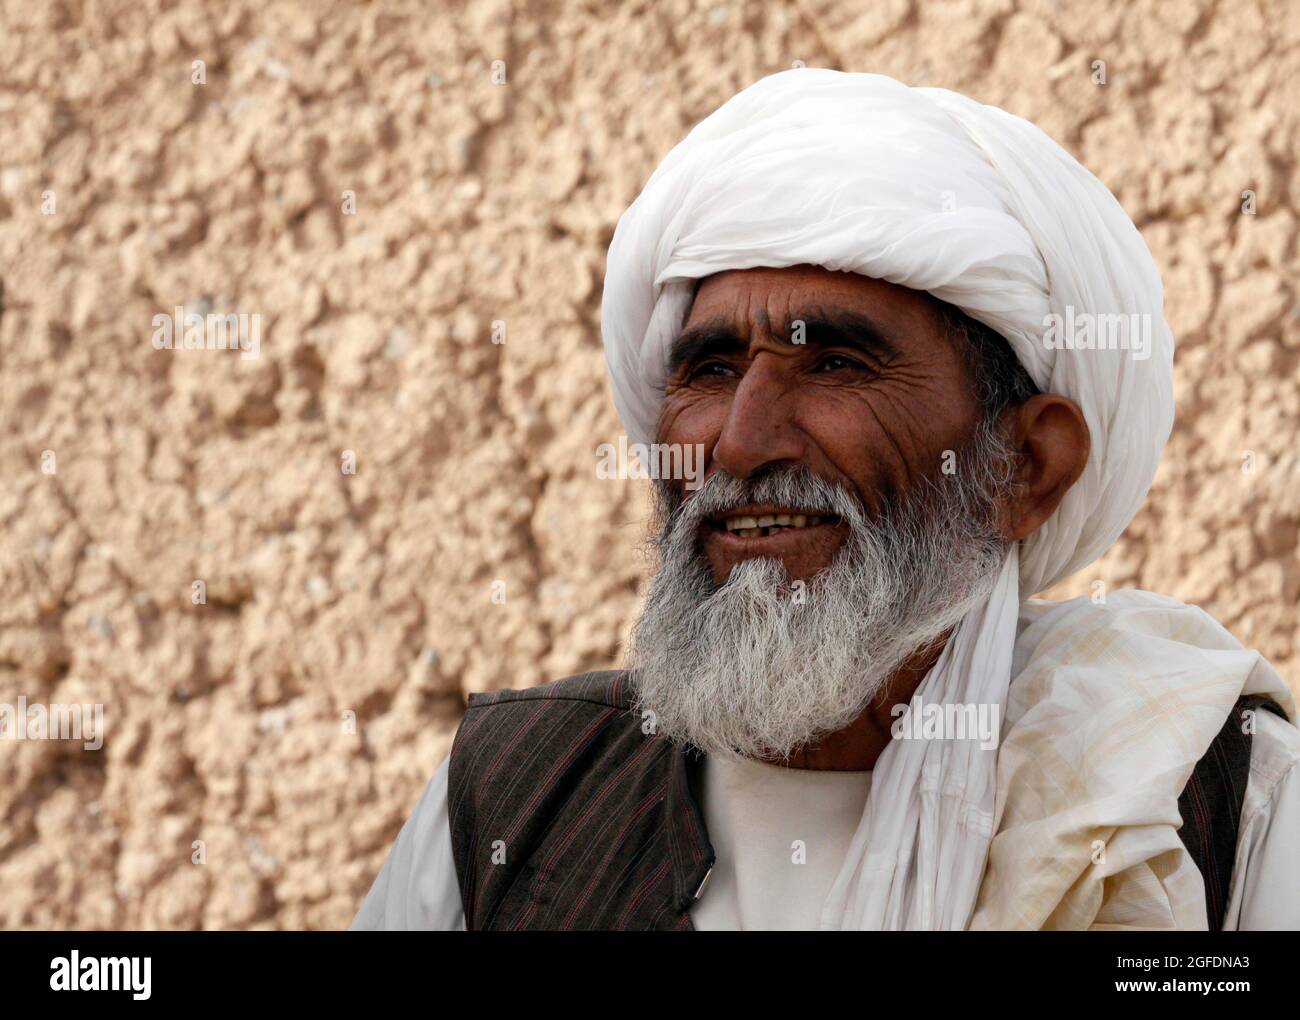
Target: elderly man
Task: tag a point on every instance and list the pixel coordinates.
(887, 316)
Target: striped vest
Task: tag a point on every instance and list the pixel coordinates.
(565, 814)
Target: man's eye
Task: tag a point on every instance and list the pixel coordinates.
(711, 368)
(838, 362)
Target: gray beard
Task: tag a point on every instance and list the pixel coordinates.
(759, 667)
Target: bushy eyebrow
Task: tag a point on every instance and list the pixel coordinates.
(707, 340)
(825, 329)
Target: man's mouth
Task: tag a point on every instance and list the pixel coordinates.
(804, 539)
(762, 522)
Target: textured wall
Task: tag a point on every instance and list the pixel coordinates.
(370, 593)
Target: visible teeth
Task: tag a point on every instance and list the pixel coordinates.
(750, 527)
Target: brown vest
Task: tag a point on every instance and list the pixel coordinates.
(565, 814)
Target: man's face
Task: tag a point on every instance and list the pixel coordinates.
(824, 464)
(869, 400)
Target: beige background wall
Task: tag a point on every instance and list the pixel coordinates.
(370, 593)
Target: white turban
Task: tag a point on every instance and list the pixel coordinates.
(930, 190)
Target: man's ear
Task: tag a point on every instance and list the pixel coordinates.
(1051, 437)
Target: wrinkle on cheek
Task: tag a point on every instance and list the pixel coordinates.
(925, 397)
(901, 472)
(668, 415)
(902, 438)
(930, 433)
(689, 417)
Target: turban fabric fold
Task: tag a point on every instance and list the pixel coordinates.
(931, 190)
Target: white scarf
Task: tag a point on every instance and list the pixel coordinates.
(931, 190)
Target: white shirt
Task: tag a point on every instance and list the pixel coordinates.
(780, 836)
(763, 820)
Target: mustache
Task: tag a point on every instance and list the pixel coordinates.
(794, 487)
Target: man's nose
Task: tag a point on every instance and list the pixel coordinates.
(760, 431)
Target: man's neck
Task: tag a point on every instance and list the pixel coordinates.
(856, 747)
